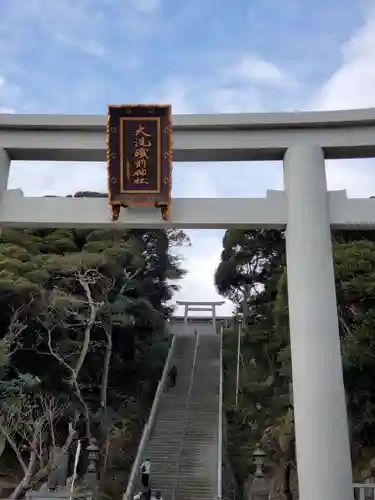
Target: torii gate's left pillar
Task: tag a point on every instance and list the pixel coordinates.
(4, 170)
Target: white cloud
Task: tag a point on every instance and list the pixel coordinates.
(253, 69)
(3, 97)
(231, 100)
(55, 178)
(79, 25)
(8, 96)
(146, 6)
(176, 91)
(228, 86)
(194, 180)
(352, 86)
(69, 22)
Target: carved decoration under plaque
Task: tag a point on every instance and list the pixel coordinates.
(139, 157)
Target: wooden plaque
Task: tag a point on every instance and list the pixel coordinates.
(139, 157)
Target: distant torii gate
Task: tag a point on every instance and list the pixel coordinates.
(200, 306)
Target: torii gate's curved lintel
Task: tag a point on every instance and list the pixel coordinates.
(303, 141)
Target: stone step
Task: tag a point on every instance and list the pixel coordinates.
(200, 415)
(168, 428)
(207, 488)
(157, 454)
(159, 450)
(166, 419)
(194, 490)
(194, 493)
(167, 431)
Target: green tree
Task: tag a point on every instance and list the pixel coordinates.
(247, 260)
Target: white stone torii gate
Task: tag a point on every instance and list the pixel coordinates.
(191, 306)
(307, 211)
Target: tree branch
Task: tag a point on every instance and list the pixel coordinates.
(94, 308)
(14, 447)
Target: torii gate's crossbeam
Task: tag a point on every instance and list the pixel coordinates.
(186, 213)
(199, 303)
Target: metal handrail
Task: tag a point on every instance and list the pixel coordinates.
(190, 390)
(149, 424)
(220, 424)
(363, 490)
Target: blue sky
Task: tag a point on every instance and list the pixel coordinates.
(77, 56)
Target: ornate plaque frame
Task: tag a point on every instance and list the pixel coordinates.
(139, 157)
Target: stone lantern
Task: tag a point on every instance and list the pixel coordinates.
(91, 476)
(259, 489)
(259, 456)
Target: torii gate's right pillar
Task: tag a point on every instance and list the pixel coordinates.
(322, 441)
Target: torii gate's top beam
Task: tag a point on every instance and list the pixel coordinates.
(226, 137)
(191, 303)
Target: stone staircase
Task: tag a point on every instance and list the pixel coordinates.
(197, 476)
(183, 444)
